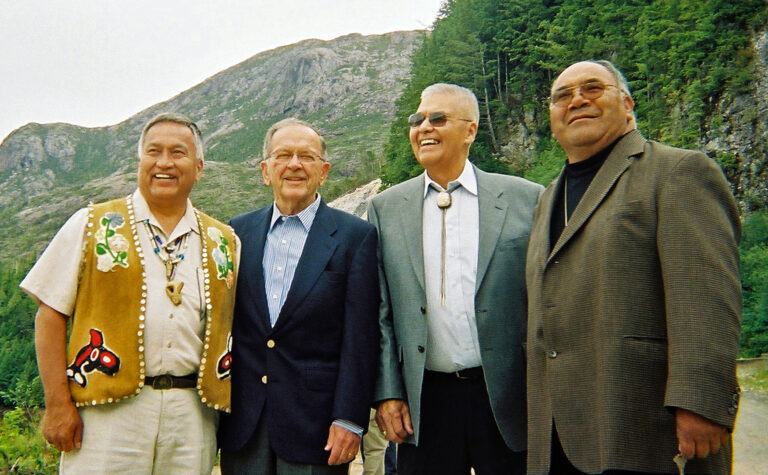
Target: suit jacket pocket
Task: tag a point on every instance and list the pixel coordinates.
(518, 242)
(645, 348)
(320, 379)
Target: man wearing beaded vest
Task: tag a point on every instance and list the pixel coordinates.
(147, 285)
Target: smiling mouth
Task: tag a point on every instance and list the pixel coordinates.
(429, 142)
(579, 117)
(163, 176)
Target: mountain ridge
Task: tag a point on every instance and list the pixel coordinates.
(347, 87)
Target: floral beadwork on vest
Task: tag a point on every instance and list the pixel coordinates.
(106, 347)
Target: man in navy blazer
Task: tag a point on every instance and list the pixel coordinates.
(305, 333)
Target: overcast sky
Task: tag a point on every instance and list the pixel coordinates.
(98, 62)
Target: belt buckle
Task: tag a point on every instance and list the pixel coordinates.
(162, 382)
(458, 375)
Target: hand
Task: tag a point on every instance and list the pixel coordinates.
(342, 444)
(698, 435)
(394, 420)
(62, 426)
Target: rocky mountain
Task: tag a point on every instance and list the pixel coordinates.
(739, 130)
(347, 87)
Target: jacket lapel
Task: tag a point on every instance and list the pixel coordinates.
(253, 238)
(617, 162)
(317, 251)
(411, 214)
(492, 211)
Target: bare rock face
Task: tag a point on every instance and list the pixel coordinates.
(356, 201)
(741, 131)
(22, 151)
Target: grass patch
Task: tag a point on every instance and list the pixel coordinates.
(22, 448)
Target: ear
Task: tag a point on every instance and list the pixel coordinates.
(471, 133)
(629, 106)
(199, 169)
(324, 172)
(265, 172)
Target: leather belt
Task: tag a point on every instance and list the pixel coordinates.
(167, 381)
(466, 374)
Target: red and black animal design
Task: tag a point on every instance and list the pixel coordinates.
(224, 366)
(94, 356)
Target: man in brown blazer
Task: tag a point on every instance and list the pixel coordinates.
(634, 295)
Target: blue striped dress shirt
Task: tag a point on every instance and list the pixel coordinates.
(285, 243)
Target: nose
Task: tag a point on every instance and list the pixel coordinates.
(294, 162)
(577, 100)
(165, 160)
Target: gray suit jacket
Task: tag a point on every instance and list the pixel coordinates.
(505, 212)
(634, 312)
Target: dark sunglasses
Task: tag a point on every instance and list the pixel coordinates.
(437, 119)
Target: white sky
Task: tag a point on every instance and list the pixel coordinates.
(97, 62)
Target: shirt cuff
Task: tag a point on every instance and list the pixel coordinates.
(350, 426)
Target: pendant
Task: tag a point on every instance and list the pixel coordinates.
(173, 289)
(169, 268)
(443, 199)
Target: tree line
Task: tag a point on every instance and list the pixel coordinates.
(681, 59)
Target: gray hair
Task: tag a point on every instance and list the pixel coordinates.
(176, 119)
(617, 75)
(285, 123)
(620, 80)
(462, 93)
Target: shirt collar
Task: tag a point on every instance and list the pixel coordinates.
(467, 179)
(142, 212)
(306, 216)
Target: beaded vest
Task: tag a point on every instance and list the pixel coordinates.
(106, 348)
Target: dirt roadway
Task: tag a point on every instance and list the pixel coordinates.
(750, 437)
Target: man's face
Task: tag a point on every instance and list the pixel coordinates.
(443, 148)
(582, 126)
(168, 165)
(295, 181)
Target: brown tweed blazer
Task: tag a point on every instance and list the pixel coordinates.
(634, 312)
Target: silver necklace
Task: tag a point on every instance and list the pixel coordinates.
(565, 200)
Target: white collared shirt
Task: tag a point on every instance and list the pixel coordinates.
(173, 334)
(452, 342)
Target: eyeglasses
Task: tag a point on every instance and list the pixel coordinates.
(285, 157)
(589, 90)
(437, 119)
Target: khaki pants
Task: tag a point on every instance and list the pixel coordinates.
(375, 446)
(155, 432)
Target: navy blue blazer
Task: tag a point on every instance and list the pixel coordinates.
(319, 362)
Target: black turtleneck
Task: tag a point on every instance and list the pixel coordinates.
(578, 175)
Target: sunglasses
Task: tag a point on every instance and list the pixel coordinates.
(437, 119)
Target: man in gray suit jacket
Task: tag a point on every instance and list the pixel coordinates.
(634, 294)
(452, 243)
